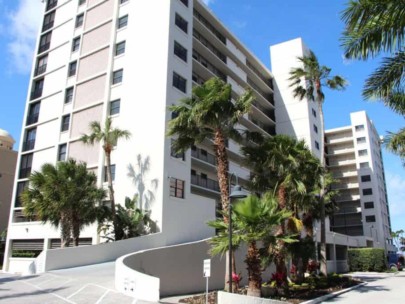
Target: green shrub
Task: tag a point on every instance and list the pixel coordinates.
(366, 259)
(23, 254)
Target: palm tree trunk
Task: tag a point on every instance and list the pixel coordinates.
(324, 268)
(254, 270)
(64, 231)
(111, 190)
(75, 231)
(221, 157)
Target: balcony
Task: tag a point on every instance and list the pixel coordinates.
(204, 156)
(205, 183)
(24, 172)
(44, 47)
(36, 94)
(28, 145)
(40, 70)
(47, 26)
(33, 118)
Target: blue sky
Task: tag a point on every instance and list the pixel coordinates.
(258, 24)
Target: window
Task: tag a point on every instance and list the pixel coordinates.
(181, 23)
(25, 165)
(369, 205)
(62, 152)
(44, 42)
(173, 153)
(179, 82)
(315, 129)
(65, 123)
(367, 191)
(117, 76)
(33, 113)
(41, 65)
(21, 186)
(69, 95)
(370, 218)
(29, 141)
(37, 88)
(123, 21)
(365, 178)
(72, 68)
(123, 1)
(316, 145)
(115, 107)
(112, 173)
(364, 165)
(81, 2)
(313, 113)
(359, 128)
(120, 48)
(51, 4)
(180, 51)
(79, 20)
(48, 21)
(185, 2)
(75, 44)
(361, 140)
(176, 187)
(362, 152)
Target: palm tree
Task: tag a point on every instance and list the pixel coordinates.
(138, 176)
(254, 219)
(374, 27)
(108, 137)
(308, 82)
(210, 114)
(64, 195)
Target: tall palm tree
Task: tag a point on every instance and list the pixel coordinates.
(308, 82)
(210, 114)
(64, 195)
(108, 137)
(253, 220)
(138, 175)
(374, 27)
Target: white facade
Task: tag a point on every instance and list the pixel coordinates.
(90, 54)
(354, 158)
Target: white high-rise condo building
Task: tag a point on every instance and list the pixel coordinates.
(353, 156)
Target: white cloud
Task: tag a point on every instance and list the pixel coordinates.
(22, 33)
(396, 193)
(208, 2)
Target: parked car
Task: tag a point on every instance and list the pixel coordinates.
(396, 260)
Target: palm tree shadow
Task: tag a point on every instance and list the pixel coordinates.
(33, 293)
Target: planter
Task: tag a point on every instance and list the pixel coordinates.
(268, 291)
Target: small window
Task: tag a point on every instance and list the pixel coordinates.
(368, 191)
(79, 20)
(33, 113)
(181, 23)
(75, 44)
(364, 165)
(37, 88)
(62, 152)
(176, 187)
(179, 82)
(65, 123)
(123, 21)
(369, 205)
(185, 2)
(359, 128)
(25, 165)
(48, 21)
(123, 1)
(51, 4)
(69, 95)
(120, 48)
(112, 173)
(29, 142)
(72, 69)
(117, 76)
(175, 154)
(21, 186)
(313, 113)
(115, 107)
(180, 51)
(361, 140)
(44, 42)
(81, 2)
(315, 129)
(362, 152)
(370, 218)
(316, 145)
(41, 65)
(365, 178)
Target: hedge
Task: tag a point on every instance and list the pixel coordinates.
(367, 259)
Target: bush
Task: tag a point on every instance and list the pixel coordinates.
(366, 259)
(24, 254)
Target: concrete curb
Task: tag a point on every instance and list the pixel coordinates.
(332, 295)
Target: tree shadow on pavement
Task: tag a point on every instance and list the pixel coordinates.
(33, 293)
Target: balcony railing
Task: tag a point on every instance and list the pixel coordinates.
(24, 172)
(36, 94)
(44, 47)
(51, 4)
(206, 183)
(29, 145)
(33, 118)
(47, 26)
(207, 157)
(40, 70)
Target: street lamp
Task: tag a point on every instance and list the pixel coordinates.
(237, 192)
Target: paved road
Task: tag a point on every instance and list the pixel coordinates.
(89, 284)
(390, 290)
